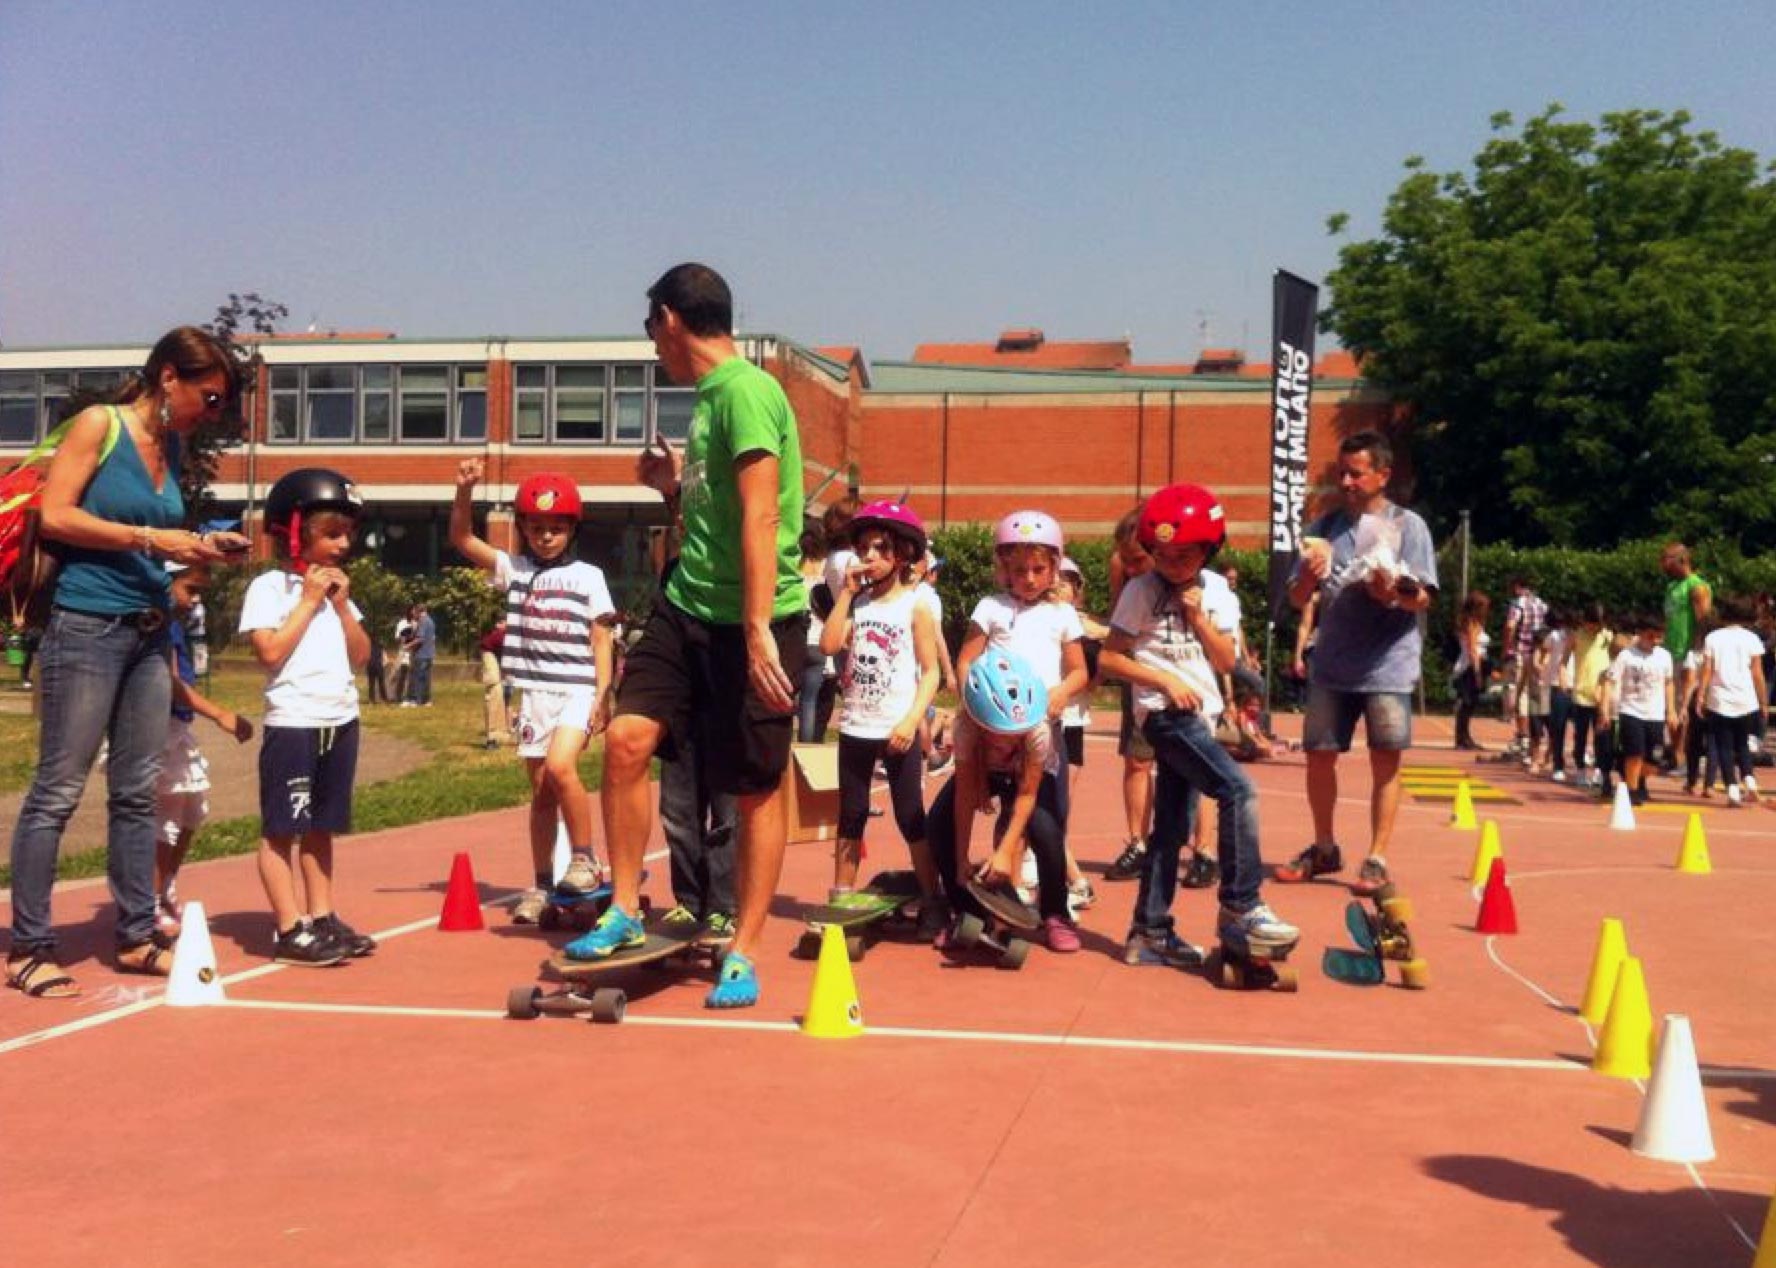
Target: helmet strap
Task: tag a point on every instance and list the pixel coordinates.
(298, 564)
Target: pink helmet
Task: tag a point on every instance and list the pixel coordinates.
(894, 519)
(1029, 528)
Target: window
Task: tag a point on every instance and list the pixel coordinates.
(379, 409)
(583, 404)
(18, 407)
(331, 411)
(425, 402)
(286, 402)
(471, 402)
(347, 404)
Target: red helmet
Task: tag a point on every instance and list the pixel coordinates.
(1185, 514)
(547, 493)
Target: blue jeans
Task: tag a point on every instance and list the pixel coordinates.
(419, 687)
(808, 698)
(100, 679)
(1190, 762)
(700, 827)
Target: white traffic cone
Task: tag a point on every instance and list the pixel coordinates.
(195, 980)
(1674, 1118)
(563, 851)
(1622, 812)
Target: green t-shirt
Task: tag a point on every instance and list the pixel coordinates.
(1680, 617)
(740, 410)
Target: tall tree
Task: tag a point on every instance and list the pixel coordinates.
(1581, 331)
(253, 313)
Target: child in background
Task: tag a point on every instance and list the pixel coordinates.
(1076, 717)
(1128, 561)
(1469, 670)
(1733, 689)
(1539, 694)
(1005, 748)
(1167, 640)
(558, 650)
(182, 794)
(1558, 679)
(1700, 757)
(309, 636)
(1590, 661)
(1638, 695)
(934, 731)
(891, 677)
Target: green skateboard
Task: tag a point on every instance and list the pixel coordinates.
(1383, 934)
(863, 915)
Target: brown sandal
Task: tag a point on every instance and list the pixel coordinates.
(40, 977)
(148, 958)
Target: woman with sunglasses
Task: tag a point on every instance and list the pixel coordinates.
(112, 505)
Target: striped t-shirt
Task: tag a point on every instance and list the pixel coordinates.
(549, 617)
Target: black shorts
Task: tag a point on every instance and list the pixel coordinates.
(1073, 737)
(1640, 738)
(690, 676)
(305, 778)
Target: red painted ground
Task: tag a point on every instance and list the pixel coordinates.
(236, 1135)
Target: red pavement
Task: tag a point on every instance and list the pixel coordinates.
(1078, 1112)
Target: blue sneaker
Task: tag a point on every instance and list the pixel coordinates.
(615, 931)
(738, 985)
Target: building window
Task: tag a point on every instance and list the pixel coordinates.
(583, 404)
(18, 407)
(347, 404)
(379, 404)
(471, 402)
(331, 406)
(32, 402)
(425, 402)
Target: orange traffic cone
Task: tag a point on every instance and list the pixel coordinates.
(1498, 912)
(462, 902)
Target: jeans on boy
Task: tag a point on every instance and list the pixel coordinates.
(1191, 761)
(100, 677)
(699, 827)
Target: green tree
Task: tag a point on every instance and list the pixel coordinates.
(1581, 331)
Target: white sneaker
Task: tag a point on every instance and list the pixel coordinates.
(1558, 777)
(1080, 895)
(1734, 796)
(1261, 925)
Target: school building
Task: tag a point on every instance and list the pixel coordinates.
(965, 432)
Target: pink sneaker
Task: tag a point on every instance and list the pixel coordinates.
(1060, 934)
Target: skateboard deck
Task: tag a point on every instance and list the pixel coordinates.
(1240, 965)
(883, 900)
(603, 1004)
(579, 911)
(1008, 918)
(1383, 934)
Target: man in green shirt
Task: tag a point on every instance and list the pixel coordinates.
(1688, 600)
(719, 656)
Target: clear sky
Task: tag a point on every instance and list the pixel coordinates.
(885, 175)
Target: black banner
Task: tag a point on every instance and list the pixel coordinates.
(1295, 306)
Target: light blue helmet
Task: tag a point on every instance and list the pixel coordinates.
(1004, 694)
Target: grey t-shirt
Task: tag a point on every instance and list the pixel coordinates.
(1363, 645)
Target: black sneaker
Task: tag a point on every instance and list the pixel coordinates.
(304, 946)
(1129, 863)
(1202, 872)
(353, 943)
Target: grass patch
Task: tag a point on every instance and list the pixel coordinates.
(460, 778)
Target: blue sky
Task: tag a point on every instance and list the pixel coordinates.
(884, 175)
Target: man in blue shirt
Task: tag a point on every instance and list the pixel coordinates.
(425, 651)
(1375, 569)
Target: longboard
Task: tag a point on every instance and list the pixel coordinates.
(999, 934)
(1382, 934)
(603, 1004)
(884, 899)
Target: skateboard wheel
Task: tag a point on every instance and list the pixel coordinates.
(1398, 910)
(969, 930)
(521, 1003)
(1285, 979)
(1015, 953)
(549, 918)
(1415, 975)
(808, 946)
(854, 947)
(1384, 893)
(608, 1005)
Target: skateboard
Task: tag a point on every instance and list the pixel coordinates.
(864, 917)
(577, 997)
(1383, 934)
(1007, 919)
(1239, 964)
(563, 910)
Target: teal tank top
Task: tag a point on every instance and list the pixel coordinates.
(117, 582)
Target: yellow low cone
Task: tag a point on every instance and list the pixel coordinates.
(195, 979)
(1606, 962)
(1463, 815)
(1766, 1251)
(1693, 856)
(1625, 1047)
(1485, 853)
(833, 1010)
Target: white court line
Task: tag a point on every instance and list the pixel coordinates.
(1024, 1039)
(245, 975)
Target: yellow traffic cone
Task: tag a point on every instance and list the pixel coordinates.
(195, 979)
(1463, 815)
(833, 1010)
(1606, 962)
(1693, 856)
(1625, 1046)
(1766, 1251)
(1485, 852)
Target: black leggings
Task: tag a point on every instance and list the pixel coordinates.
(1044, 836)
(1583, 716)
(857, 765)
(1467, 698)
(1732, 743)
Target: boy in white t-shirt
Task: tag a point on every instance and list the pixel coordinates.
(309, 636)
(1168, 643)
(1732, 691)
(1637, 691)
(558, 650)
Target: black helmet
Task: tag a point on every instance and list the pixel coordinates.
(309, 489)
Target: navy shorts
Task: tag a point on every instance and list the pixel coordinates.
(690, 676)
(305, 778)
(1640, 737)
